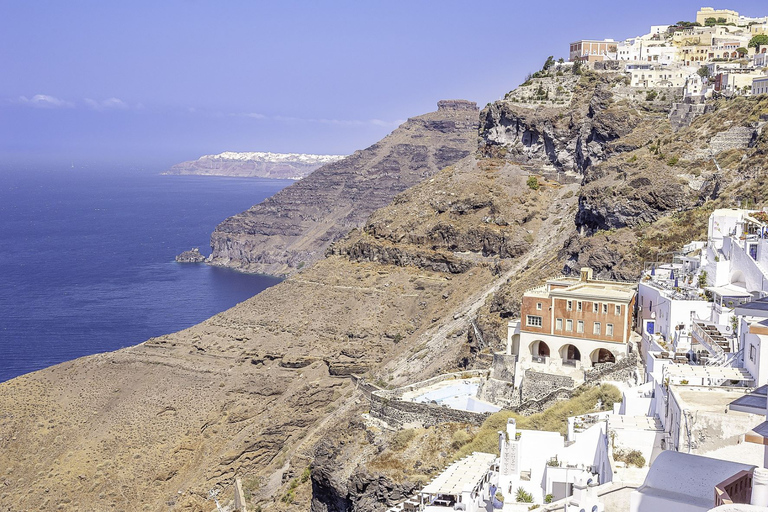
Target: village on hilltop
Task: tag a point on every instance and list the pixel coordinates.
(687, 344)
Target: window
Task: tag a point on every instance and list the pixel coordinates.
(559, 324)
(752, 353)
(569, 305)
(596, 328)
(618, 310)
(605, 309)
(609, 329)
(538, 306)
(533, 321)
(595, 307)
(569, 325)
(580, 326)
(578, 305)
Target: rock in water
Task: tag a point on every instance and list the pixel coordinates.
(191, 256)
(294, 227)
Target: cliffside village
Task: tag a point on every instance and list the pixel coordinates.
(720, 53)
(687, 345)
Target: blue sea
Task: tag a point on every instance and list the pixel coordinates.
(87, 258)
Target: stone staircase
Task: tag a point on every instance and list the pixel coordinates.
(683, 114)
(738, 137)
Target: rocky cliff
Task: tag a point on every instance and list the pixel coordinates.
(262, 391)
(282, 166)
(293, 228)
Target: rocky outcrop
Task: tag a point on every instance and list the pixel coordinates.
(283, 166)
(293, 228)
(191, 256)
(361, 490)
(567, 138)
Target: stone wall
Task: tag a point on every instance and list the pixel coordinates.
(536, 384)
(499, 392)
(503, 367)
(387, 405)
(624, 369)
(400, 412)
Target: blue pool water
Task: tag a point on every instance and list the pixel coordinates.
(87, 259)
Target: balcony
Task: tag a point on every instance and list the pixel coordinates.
(736, 489)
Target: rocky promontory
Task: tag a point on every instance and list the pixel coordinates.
(281, 166)
(294, 227)
(191, 256)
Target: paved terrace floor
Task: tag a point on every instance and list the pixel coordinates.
(456, 394)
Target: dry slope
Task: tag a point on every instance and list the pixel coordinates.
(293, 228)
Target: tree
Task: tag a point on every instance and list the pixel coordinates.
(758, 41)
(549, 63)
(576, 67)
(703, 71)
(741, 51)
(560, 60)
(709, 22)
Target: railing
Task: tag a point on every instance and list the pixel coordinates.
(704, 338)
(736, 489)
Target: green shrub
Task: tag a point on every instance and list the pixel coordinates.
(673, 160)
(651, 95)
(548, 498)
(533, 183)
(523, 496)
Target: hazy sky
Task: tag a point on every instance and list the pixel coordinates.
(160, 81)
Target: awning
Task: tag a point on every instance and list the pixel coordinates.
(729, 290)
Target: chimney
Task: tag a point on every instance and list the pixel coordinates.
(586, 274)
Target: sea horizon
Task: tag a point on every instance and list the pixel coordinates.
(89, 258)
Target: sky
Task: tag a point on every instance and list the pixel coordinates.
(163, 81)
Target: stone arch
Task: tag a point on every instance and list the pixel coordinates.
(539, 349)
(570, 352)
(602, 355)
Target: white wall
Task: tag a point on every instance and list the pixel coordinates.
(757, 366)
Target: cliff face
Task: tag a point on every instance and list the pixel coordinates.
(293, 228)
(262, 391)
(282, 166)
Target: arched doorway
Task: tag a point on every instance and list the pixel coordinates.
(570, 354)
(602, 355)
(539, 349)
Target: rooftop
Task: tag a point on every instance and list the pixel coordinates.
(706, 399)
(754, 402)
(623, 422)
(684, 478)
(461, 476)
(710, 374)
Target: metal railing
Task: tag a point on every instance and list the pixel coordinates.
(707, 341)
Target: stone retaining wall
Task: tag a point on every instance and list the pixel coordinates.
(537, 384)
(400, 412)
(623, 370)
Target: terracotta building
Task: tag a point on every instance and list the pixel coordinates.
(574, 322)
(592, 50)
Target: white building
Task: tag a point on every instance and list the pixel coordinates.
(760, 85)
(541, 464)
(679, 482)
